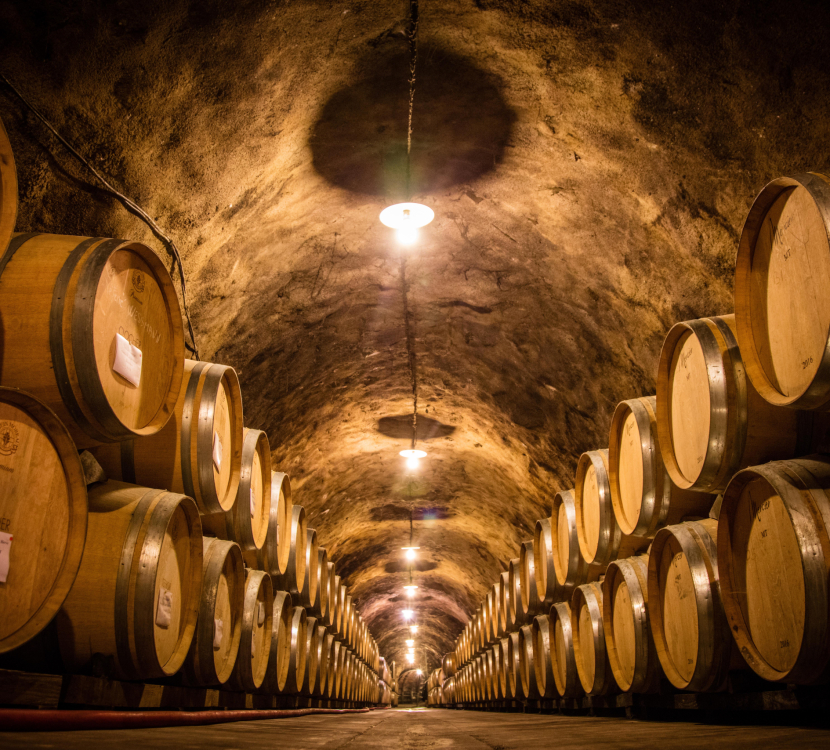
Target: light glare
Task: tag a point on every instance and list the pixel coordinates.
(408, 614)
(406, 236)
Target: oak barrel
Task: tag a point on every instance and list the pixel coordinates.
(590, 652)
(506, 596)
(323, 643)
(710, 419)
(8, 189)
(254, 652)
(308, 595)
(782, 272)
(321, 609)
(279, 655)
(514, 581)
(690, 630)
(631, 650)
(530, 594)
(137, 594)
(562, 656)
(545, 683)
(65, 303)
(514, 666)
(333, 581)
(527, 663)
(292, 580)
(774, 564)
(43, 516)
(219, 630)
(569, 565)
(199, 451)
(246, 522)
(643, 496)
(600, 537)
(297, 654)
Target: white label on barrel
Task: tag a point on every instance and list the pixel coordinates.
(127, 360)
(253, 504)
(5, 554)
(260, 613)
(217, 451)
(164, 614)
(218, 626)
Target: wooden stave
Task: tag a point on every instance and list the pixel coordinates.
(276, 675)
(298, 655)
(59, 340)
(312, 673)
(321, 607)
(817, 395)
(647, 670)
(336, 610)
(514, 669)
(199, 668)
(77, 503)
(663, 503)
(700, 549)
(319, 688)
(141, 520)
(531, 605)
(496, 618)
(603, 682)
(236, 524)
(294, 577)
(348, 618)
(545, 683)
(571, 687)
(800, 484)
(527, 663)
(8, 189)
(273, 555)
(548, 589)
(515, 585)
(308, 596)
(244, 677)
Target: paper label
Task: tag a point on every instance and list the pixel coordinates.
(5, 554)
(127, 360)
(217, 452)
(164, 608)
(218, 626)
(260, 613)
(253, 504)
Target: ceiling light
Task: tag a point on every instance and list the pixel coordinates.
(418, 672)
(410, 552)
(413, 629)
(410, 658)
(412, 455)
(408, 614)
(410, 642)
(410, 590)
(407, 216)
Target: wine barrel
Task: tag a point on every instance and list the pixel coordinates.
(548, 589)
(337, 668)
(514, 580)
(514, 667)
(527, 664)
(318, 689)
(246, 523)
(199, 451)
(628, 638)
(137, 593)
(600, 537)
(295, 573)
(509, 623)
(298, 654)
(331, 605)
(337, 618)
(8, 189)
(774, 564)
(781, 308)
(64, 352)
(308, 596)
(348, 617)
(279, 654)
(710, 418)
(257, 632)
(43, 514)
(569, 565)
(496, 616)
(328, 687)
(562, 657)
(322, 605)
(530, 592)
(690, 630)
(590, 653)
(215, 646)
(272, 557)
(643, 496)
(545, 683)
(448, 664)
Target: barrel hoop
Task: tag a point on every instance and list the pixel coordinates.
(56, 347)
(650, 452)
(83, 345)
(210, 586)
(187, 423)
(741, 407)
(145, 585)
(243, 529)
(122, 585)
(13, 247)
(204, 438)
(600, 654)
(128, 461)
(639, 614)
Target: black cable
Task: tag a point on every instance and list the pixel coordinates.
(129, 204)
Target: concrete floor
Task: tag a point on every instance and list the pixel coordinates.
(433, 728)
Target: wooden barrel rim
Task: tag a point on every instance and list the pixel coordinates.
(571, 686)
(514, 576)
(8, 189)
(311, 577)
(546, 583)
(587, 595)
(609, 534)
(322, 585)
(298, 656)
(816, 395)
(514, 667)
(577, 569)
(542, 661)
(276, 676)
(254, 442)
(809, 664)
(77, 519)
(527, 571)
(244, 676)
(281, 483)
(727, 426)
(297, 552)
(527, 663)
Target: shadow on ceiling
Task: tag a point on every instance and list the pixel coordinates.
(461, 124)
(400, 427)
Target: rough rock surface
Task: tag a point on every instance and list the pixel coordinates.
(590, 163)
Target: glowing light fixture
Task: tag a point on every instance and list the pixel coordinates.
(410, 658)
(412, 457)
(418, 672)
(410, 552)
(406, 219)
(408, 614)
(413, 629)
(410, 642)
(410, 590)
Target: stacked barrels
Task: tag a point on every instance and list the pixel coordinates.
(168, 548)
(642, 573)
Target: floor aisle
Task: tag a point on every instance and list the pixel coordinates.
(432, 729)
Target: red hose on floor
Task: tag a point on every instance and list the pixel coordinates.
(58, 720)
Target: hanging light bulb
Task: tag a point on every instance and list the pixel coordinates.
(410, 658)
(410, 642)
(406, 219)
(410, 590)
(410, 552)
(418, 672)
(412, 457)
(413, 629)
(408, 614)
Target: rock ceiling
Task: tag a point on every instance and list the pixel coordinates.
(589, 164)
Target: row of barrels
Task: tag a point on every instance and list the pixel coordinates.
(735, 393)
(690, 610)
(93, 358)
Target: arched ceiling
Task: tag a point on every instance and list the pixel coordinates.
(589, 163)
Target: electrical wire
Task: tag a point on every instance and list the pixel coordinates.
(129, 204)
